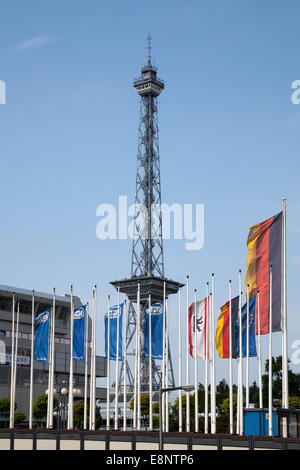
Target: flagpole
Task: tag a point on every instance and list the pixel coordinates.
(270, 359)
(16, 361)
(241, 427)
(167, 364)
(125, 368)
(206, 361)
(150, 366)
(285, 387)
(49, 366)
(71, 377)
(85, 367)
(213, 371)
(31, 362)
(11, 414)
(247, 350)
(179, 361)
(139, 362)
(230, 366)
(196, 362)
(93, 410)
(108, 368)
(117, 366)
(163, 377)
(52, 365)
(135, 373)
(259, 354)
(187, 358)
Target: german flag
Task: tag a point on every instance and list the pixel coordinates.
(265, 249)
(223, 330)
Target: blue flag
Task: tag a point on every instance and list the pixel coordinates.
(41, 331)
(79, 333)
(113, 329)
(157, 314)
(251, 320)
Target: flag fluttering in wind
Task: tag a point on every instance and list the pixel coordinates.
(198, 350)
(79, 333)
(156, 331)
(113, 314)
(223, 329)
(251, 322)
(41, 331)
(265, 249)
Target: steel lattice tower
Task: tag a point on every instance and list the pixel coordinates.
(147, 262)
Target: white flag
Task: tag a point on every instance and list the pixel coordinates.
(198, 350)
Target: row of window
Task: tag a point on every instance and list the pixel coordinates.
(8, 334)
(39, 377)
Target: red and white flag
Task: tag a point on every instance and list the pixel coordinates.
(198, 340)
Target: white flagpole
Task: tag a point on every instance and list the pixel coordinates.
(93, 411)
(241, 404)
(213, 371)
(139, 361)
(259, 354)
(150, 367)
(91, 370)
(117, 367)
(49, 366)
(285, 386)
(230, 366)
(187, 357)
(11, 414)
(31, 362)
(167, 364)
(16, 361)
(135, 373)
(196, 362)
(238, 398)
(71, 376)
(163, 376)
(85, 367)
(125, 369)
(206, 361)
(179, 361)
(247, 350)
(270, 360)
(52, 365)
(108, 368)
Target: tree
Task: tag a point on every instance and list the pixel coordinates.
(78, 414)
(294, 403)
(5, 405)
(19, 417)
(145, 404)
(225, 406)
(39, 409)
(293, 380)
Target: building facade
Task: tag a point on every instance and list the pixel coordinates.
(42, 302)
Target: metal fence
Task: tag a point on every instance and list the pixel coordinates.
(15, 439)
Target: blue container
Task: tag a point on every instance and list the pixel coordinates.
(256, 422)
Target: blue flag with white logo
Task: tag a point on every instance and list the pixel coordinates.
(41, 331)
(251, 320)
(157, 314)
(113, 314)
(79, 333)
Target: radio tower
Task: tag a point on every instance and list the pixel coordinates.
(147, 261)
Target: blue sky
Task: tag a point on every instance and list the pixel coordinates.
(229, 137)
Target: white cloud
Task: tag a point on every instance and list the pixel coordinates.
(35, 42)
(296, 260)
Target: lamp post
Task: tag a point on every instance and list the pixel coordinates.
(185, 388)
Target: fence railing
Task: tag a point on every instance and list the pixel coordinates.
(13, 439)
